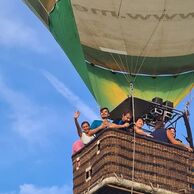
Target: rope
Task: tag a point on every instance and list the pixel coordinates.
(125, 67)
(91, 32)
(125, 75)
(134, 139)
(148, 41)
(120, 7)
(189, 101)
(133, 162)
(43, 7)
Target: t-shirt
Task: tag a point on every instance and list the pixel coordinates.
(121, 122)
(160, 135)
(95, 124)
(86, 138)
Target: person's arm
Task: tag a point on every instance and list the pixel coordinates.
(102, 126)
(79, 130)
(141, 132)
(175, 142)
(116, 126)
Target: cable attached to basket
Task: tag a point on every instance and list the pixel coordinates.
(134, 140)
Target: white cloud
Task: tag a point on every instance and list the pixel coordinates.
(16, 32)
(71, 97)
(32, 189)
(30, 121)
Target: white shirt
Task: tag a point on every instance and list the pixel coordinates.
(86, 139)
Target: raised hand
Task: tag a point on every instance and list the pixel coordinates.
(76, 114)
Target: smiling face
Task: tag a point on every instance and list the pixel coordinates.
(85, 127)
(139, 123)
(126, 117)
(173, 131)
(104, 113)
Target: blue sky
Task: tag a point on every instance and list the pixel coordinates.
(39, 92)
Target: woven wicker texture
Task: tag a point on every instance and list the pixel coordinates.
(156, 164)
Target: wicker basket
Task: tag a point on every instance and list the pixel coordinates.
(110, 164)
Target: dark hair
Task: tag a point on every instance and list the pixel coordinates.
(85, 122)
(127, 112)
(138, 119)
(104, 108)
(169, 128)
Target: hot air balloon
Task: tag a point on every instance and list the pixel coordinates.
(143, 49)
(113, 43)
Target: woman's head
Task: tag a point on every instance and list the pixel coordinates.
(85, 126)
(139, 122)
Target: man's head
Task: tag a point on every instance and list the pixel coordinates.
(173, 131)
(85, 126)
(104, 113)
(126, 116)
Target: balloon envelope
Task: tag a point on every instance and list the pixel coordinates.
(114, 43)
